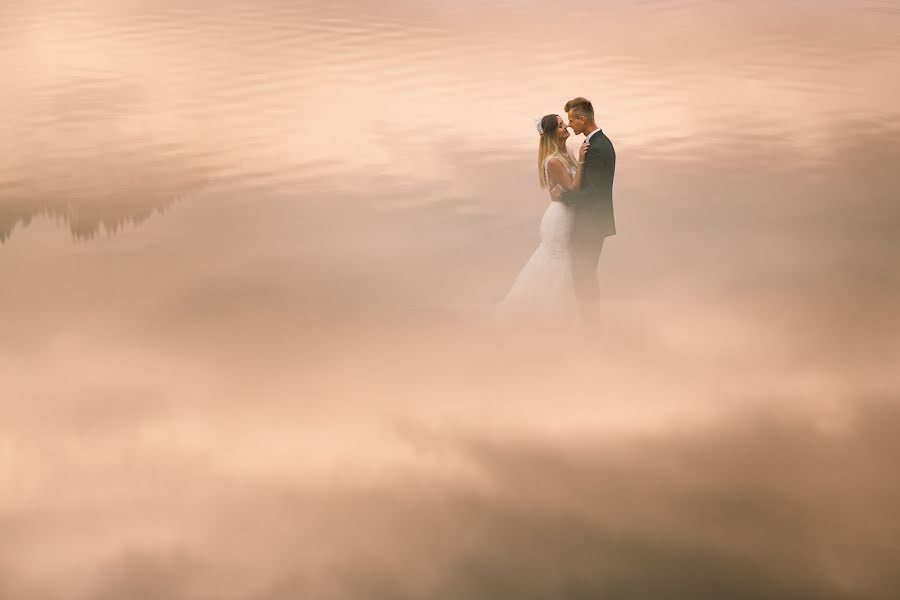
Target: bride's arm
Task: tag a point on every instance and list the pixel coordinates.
(561, 177)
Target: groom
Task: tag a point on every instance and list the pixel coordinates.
(592, 204)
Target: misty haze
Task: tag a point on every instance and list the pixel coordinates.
(245, 249)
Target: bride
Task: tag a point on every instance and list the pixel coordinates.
(543, 291)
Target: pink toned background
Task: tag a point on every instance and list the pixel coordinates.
(244, 246)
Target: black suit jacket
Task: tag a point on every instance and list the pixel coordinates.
(593, 202)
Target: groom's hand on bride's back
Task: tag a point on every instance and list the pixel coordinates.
(555, 193)
(559, 195)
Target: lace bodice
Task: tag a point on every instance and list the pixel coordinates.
(556, 225)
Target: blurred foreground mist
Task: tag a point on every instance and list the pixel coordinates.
(239, 350)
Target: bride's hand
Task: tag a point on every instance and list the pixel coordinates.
(583, 151)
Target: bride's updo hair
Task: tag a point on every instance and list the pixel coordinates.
(549, 146)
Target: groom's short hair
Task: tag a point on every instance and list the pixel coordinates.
(581, 106)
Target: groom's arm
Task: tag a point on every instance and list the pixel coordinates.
(569, 198)
(561, 195)
(593, 168)
(582, 194)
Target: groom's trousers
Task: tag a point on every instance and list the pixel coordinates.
(585, 257)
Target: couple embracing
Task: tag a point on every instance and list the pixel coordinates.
(558, 284)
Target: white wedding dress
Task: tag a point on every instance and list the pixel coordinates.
(543, 292)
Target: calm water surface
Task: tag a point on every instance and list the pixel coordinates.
(242, 245)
